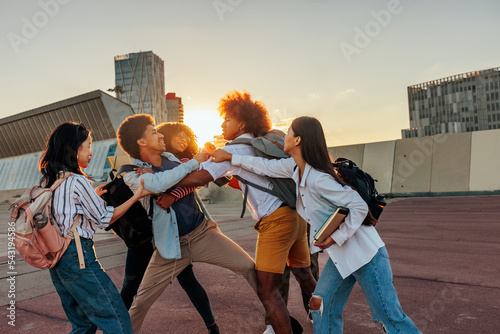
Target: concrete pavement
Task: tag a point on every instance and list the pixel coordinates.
(445, 256)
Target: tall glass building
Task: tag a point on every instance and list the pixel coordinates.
(460, 103)
(140, 82)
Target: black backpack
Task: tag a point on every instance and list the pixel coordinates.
(269, 146)
(364, 184)
(135, 226)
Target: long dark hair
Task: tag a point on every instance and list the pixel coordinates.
(171, 129)
(61, 151)
(313, 145)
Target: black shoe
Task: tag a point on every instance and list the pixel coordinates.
(296, 327)
(213, 329)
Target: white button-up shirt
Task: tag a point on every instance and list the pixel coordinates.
(260, 203)
(317, 194)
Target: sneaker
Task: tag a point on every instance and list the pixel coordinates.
(269, 330)
(296, 327)
(214, 329)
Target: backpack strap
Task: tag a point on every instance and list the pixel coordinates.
(275, 142)
(245, 196)
(60, 180)
(244, 141)
(73, 233)
(123, 169)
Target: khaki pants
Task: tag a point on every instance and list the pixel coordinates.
(205, 244)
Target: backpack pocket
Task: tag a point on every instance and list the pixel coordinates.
(50, 239)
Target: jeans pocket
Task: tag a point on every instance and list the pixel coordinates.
(383, 252)
(69, 268)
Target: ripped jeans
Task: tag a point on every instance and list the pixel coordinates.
(375, 279)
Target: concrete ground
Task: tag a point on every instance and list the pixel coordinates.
(445, 256)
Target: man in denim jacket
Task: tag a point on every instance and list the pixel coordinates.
(197, 240)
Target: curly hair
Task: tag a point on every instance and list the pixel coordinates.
(171, 129)
(253, 113)
(131, 130)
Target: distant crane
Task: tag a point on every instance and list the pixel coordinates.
(118, 90)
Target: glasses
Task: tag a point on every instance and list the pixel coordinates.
(182, 136)
(81, 126)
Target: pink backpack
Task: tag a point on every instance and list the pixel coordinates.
(37, 237)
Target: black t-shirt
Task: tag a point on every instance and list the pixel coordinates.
(187, 211)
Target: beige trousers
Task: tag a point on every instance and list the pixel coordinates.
(205, 244)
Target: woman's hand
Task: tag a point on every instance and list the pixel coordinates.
(141, 191)
(208, 147)
(220, 155)
(142, 170)
(201, 157)
(325, 244)
(99, 191)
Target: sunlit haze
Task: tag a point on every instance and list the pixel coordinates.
(204, 123)
(348, 63)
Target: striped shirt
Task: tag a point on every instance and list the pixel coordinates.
(180, 192)
(76, 196)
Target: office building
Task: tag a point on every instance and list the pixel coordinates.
(460, 103)
(175, 109)
(140, 82)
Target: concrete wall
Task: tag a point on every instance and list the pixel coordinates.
(485, 161)
(412, 165)
(451, 163)
(378, 158)
(461, 162)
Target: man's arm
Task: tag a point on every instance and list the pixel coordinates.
(195, 179)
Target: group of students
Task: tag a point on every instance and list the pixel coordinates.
(170, 168)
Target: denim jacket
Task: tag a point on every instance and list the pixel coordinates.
(165, 231)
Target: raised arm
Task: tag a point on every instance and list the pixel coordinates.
(281, 168)
(159, 182)
(195, 179)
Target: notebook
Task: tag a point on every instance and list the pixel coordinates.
(331, 224)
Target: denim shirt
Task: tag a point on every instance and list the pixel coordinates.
(165, 231)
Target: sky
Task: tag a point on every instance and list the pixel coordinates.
(347, 63)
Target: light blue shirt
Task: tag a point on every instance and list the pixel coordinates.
(165, 230)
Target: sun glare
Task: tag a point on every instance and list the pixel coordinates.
(204, 123)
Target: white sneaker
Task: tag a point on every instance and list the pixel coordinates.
(269, 330)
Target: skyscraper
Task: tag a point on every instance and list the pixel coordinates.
(140, 82)
(175, 109)
(460, 103)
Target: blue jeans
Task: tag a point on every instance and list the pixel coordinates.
(375, 279)
(135, 267)
(89, 297)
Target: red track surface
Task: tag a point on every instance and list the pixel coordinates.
(445, 255)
